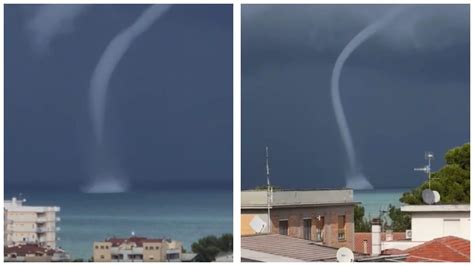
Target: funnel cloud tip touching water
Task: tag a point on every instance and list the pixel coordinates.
(98, 92)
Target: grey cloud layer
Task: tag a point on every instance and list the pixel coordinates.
(327, 28)
(50, 21)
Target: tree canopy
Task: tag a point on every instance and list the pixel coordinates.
(208, 247)
(361, 223)
(452, 181)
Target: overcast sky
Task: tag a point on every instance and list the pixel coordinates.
(405, 91)
(169, 111)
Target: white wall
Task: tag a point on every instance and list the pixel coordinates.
(428, 226)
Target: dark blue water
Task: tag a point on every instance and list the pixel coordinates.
(182, 215)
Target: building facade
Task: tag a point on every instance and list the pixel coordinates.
(137, 249)
(30, 224)
(324, 216)
(430, 222)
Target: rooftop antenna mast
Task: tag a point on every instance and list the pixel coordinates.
(269, 191)
(427, 169)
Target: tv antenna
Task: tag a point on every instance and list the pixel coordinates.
(427, 169)
(269, 191)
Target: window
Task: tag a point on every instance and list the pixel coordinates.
(151, 247)
(172, 256)
(96, 247)
(283, 227)
(102, 256)
(320, 228)
(365, 247)
(307, 229)
(341, 227)
(146, 248)
(101, 247)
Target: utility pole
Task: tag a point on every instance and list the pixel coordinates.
(269, 192)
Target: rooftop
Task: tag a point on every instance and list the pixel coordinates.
(16, 205)
(444, 249)
(360, 237)
(254, 199)
(437, 208)
(24, 249)
(277, 248)
(134, 239)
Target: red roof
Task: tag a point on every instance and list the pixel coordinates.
(134, 239)
(23, 249)
(360, 237)
(444, 249)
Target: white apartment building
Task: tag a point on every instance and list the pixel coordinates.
(433, 221)
(30, 224)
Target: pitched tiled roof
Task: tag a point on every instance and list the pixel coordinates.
(24, 249)
(360, 237)
(444, 249)
(134, 239)
(289, 247)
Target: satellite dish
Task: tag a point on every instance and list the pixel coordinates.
(428, 196)
(436, 196)
(344, 255)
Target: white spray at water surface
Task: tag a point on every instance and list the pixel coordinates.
(106, 179)
(354, 178)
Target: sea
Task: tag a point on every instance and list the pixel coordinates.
(184, 215)
(376, 201)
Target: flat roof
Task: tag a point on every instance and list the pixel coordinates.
(255, 199)
(437, 208)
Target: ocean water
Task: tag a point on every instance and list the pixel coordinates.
(377, 200)
(181, 215)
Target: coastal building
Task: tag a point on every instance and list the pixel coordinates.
(363, 240)
(322, 216)
(137, 249)
(429, 222)
(33, 253)
(30, 224)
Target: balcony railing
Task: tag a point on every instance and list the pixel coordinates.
(45, 229)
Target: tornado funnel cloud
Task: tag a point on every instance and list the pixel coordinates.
(105, 180)
(354, 177)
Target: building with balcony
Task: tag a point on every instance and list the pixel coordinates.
(323, 216)
(30, 224)
(137, 249)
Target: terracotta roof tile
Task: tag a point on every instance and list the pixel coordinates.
(447, 249)
(134, 239)
(23, 249)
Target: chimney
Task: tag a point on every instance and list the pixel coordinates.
(376, 237)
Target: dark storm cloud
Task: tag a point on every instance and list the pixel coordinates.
(405, 91)
(169, 111)
(272, 31)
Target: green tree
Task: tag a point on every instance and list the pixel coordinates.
(452, 181)
(361, 223)
(400, 221)
(208, 247)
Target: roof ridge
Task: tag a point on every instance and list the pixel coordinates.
(455, 250)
